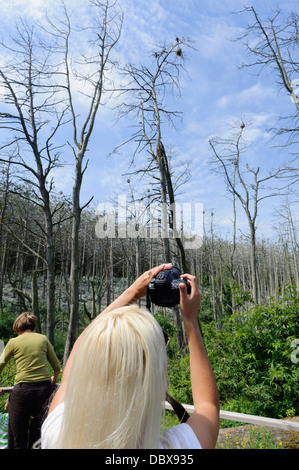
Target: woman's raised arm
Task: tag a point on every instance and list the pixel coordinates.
(205, 419)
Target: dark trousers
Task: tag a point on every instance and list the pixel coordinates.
(27, 409)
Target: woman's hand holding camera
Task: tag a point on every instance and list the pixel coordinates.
(139, 287)
(189, 303)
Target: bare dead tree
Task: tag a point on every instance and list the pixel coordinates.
(273, 46)
(148, 87)
(31, 114)
(229, 161)
(290, 227)
(90, 71)
(5, 184)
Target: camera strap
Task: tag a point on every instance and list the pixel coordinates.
(148, 300)
(178, 408)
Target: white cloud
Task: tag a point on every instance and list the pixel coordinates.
(63, 178)
(26, 8)
(256, 93)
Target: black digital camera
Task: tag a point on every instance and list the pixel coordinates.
(164, 290)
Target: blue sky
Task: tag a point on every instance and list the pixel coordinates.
(215, 94)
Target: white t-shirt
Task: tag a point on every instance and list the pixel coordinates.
(181, 436)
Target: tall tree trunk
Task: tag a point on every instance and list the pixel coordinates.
(3, 245)
(50, 331)
(75, 265)
(109, 23)
(253, 263)
(35, 307)
(2, 265)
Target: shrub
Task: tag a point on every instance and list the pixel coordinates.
(6, 321)
(251, 358)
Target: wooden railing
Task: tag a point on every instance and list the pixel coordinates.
(283, 424)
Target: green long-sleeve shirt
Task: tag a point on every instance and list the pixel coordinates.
(32, 352)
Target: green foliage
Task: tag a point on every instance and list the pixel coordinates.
(60, 337)
(7, 380)
(178, 364)
(6, 321)
(240, 295)
(169, 419)
(179, 379)
(251, 359)
(227, 298)
(253, 438)
(169, 328)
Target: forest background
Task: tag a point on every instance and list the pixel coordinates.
(56, 262)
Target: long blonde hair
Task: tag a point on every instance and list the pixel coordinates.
(116, 389)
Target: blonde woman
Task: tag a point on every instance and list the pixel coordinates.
(33, 385)
(114, 383)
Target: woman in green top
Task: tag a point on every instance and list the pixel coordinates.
(33, 384)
